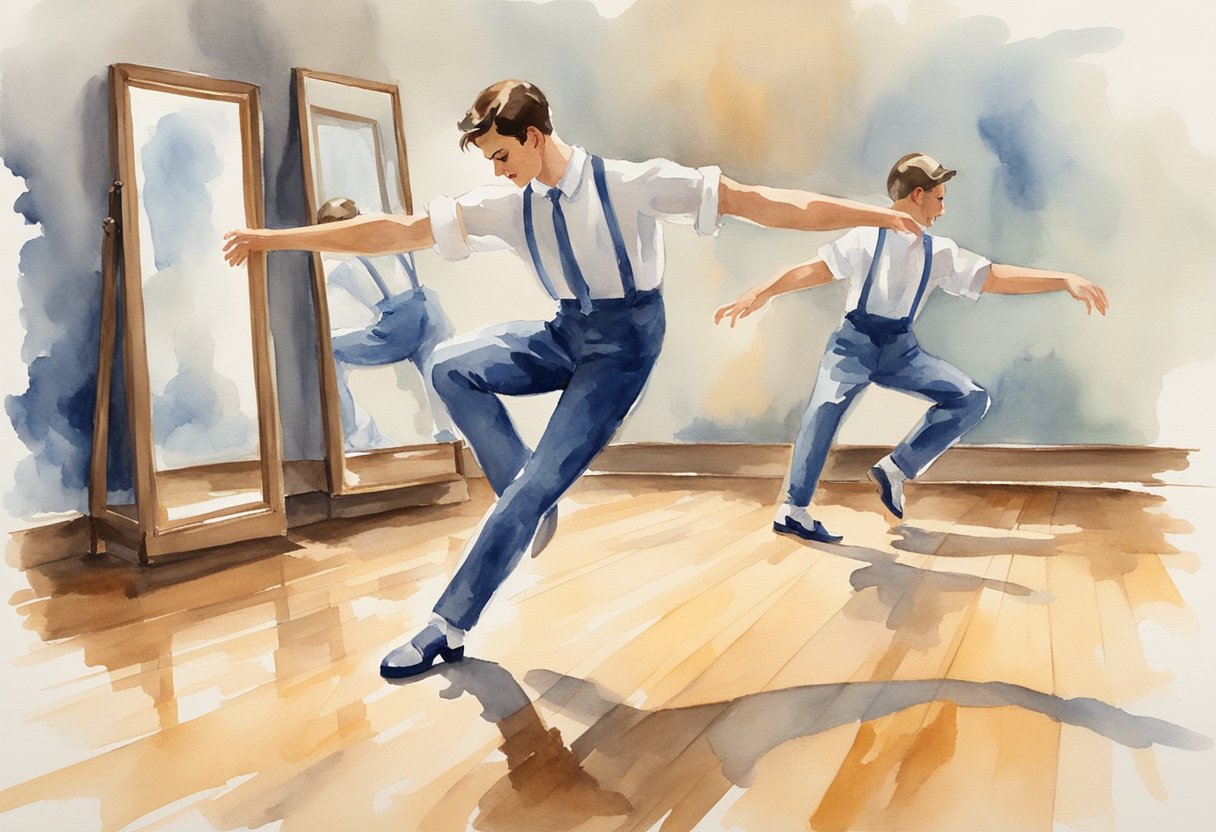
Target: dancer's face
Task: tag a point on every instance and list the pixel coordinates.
(520, 163)
(929, 206)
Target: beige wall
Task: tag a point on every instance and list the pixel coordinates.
(1053, 172)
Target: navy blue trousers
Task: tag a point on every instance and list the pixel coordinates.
(600, 362)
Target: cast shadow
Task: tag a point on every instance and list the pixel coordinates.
(1131, 529)
(911, 601)
(641, 766)
(546, 787)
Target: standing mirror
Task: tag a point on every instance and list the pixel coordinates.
(377, 323)
(192, 354)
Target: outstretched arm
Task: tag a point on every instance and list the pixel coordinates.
(1020, 280)
(804, 210)
(383, 234)
(803, 276)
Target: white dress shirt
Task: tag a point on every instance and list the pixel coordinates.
(642, 193)
(955, 270)
(352, 293)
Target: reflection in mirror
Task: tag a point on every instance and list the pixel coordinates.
(190, 396)
(350, 158)
(188, 165)
(382, 322)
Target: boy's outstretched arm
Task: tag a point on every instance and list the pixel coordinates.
(1020, 280)
(372, 234)
(804, 210)
(803, 276)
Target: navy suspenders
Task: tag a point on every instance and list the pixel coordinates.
(411, 269)
(375, 273)
(924, 276)
(530, 235)
(407, 263)
(614, 231)
(865, 289)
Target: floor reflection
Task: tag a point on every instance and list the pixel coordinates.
(985, 660)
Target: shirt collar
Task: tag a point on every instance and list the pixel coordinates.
(572, 179)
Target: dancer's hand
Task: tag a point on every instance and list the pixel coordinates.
(1088, 293)
(749, 302)
(242, 243)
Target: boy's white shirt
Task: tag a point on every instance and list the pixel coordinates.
(643, 195)
(955, 270)
(352, 294)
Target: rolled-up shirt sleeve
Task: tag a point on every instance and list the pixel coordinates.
(672, 192)
(709, 218)
(447, 229)
(966, 270)
(484, 219)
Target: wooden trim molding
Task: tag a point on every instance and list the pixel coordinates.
(1081, 465)
(1076, 464)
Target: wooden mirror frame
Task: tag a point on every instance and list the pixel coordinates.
(382, 469)
(149, 534)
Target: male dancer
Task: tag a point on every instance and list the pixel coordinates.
(590, 227)
(892, 273)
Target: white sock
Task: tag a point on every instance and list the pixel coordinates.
(454, 634)
(892, 470)
(896, 478)
(799, 514)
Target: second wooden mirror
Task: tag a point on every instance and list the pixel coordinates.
(377, 323)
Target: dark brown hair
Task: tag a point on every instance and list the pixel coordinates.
(916, 170)
(338, 208)
(510, 107)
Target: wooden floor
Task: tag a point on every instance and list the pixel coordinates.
(1012, 658)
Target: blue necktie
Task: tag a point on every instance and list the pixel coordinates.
(574, 276)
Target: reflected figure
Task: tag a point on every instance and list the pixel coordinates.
(378, 317)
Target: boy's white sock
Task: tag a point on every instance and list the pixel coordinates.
(892, 470)
(896, 477)
(454, 634)
(799, 514)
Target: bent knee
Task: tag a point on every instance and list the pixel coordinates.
(450, 365)
(976, 401)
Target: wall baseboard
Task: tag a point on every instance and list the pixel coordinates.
(1076, 464)
(307, 502)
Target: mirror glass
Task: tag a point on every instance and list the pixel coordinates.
(189, 175)
(382, 321)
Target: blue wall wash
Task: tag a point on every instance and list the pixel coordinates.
(61, 71)
(805, 93)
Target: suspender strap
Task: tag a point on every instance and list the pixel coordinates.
(411, 269)
(623, 264)
(374, 272)
(614, 229)
(865, 289)
(530, 235)
(924, 275)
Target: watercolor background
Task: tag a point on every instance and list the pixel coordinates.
(1085, 137)
(1078, 134)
